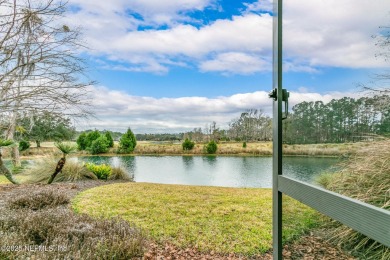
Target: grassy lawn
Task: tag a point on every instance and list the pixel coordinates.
(216, 219)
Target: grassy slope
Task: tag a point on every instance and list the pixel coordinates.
(212, 218)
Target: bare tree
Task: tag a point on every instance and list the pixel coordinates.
(40, 68)
(381, 83)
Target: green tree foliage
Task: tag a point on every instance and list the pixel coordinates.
(342, 120)
(188, 144)
(100, 145)
(24, 145)
(82, 141)
(92, 136)
(211, 147)
(109, 139)
(127, 142)
(46, 126)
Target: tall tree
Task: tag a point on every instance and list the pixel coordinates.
(39, 64)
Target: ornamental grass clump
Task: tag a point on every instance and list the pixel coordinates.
(42, 169)
(119, 173)
(365, 176)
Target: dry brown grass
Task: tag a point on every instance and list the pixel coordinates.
(224, 148)
(365, 176)
(120, 173)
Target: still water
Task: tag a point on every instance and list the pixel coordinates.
(215, 171)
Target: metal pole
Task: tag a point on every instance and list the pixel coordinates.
(277, 130)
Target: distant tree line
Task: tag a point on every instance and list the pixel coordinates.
(160, 137)
(340, 120)
(252, 125)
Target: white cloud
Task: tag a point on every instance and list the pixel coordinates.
(149, 12)
(117, 110)
(317, 33)
(236, 63)
(261, 5)
(334, 33)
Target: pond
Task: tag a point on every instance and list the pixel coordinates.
(225, 171)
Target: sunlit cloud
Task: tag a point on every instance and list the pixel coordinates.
(316, 34)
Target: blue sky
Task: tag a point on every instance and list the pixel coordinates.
(170, 66)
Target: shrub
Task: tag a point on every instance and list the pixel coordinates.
(38, 200)
(100, 145)
(24, 145)
(244, 145)
(91, 136)
(211, 147)
(102, 171)
(127, 142)
(81, 236)
(188, 144)
(82, 141)
(109, 139)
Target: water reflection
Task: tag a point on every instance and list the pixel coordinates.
(188, 162)
(211, 160)
(127, 162)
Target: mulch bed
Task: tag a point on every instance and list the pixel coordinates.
(308, 247)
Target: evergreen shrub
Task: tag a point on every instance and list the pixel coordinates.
(211, 147)
(127, 142)
(188, 144)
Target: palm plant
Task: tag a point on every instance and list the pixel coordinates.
(66, 149)
(3, 169)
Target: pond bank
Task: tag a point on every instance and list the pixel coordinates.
(224, 148)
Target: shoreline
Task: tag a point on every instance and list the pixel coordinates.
(255, 149)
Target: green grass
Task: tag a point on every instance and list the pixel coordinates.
(223, 220)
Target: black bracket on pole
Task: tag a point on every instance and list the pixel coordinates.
(285, 95)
